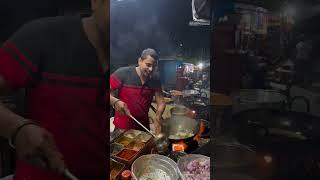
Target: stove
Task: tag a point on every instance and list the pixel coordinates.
(190, 145)
(185, 146)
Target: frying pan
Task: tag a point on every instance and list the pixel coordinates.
(275, 126)
(181, 125)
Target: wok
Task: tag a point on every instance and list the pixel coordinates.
(179, 110)
(270, 125)
(290, 138)
(180, 126)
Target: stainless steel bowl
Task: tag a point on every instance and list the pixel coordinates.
(154, 166)
(185, 160)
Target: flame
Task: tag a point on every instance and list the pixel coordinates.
(182, 146)
(179, 146)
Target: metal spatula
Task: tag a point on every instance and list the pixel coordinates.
(142, 126)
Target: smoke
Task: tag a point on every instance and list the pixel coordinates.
(135, 26)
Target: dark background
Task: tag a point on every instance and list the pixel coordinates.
(14, 13)
(163, 25)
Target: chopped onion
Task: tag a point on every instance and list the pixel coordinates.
(198, 169)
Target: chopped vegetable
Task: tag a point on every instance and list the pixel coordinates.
(198, 169)
(181, 135)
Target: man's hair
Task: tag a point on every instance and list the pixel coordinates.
(149, 52)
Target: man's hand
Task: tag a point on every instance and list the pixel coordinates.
(176, 93)
(157, 125)
(36, 146)
(122, 108)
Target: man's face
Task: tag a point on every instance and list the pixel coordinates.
(101, 12)
(147, 66)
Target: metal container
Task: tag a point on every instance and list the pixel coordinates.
(143, 137)
(116, 148)
(182, 127)
(179, 110)
(116, 169)
(124, 140)
(258, 98)
(132, 133)
(185, 160)
(141, 144)
(154, 166)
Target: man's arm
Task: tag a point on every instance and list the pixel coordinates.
(117, 104)
(161, 105)
(9, 120)
(29, 139)
(20, 57)
(116, 80)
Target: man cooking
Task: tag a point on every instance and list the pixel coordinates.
(136, 87)
(62, 62)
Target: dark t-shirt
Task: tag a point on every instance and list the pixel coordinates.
(66, 92)
(136, 95)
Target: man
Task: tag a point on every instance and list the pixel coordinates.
(136, 87)
(62, 62)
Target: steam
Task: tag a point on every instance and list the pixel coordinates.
(135, 26)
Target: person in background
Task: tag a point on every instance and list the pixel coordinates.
(136, 86)
(56, 59)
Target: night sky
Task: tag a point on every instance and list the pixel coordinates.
(163, 25)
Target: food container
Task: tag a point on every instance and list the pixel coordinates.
(115, 169)
(116, 148)
(143, 137)
(126, 149)
(124, 140)
(132, 133)
(193, 166)
(136, 146)
(154, 166)
(126, 154)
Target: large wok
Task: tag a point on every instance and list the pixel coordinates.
(291, 139)
(180, 126)
(275, 126)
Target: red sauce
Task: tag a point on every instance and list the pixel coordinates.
(127, 154)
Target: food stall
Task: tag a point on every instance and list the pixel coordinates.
(181, 148)
(182, 151)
